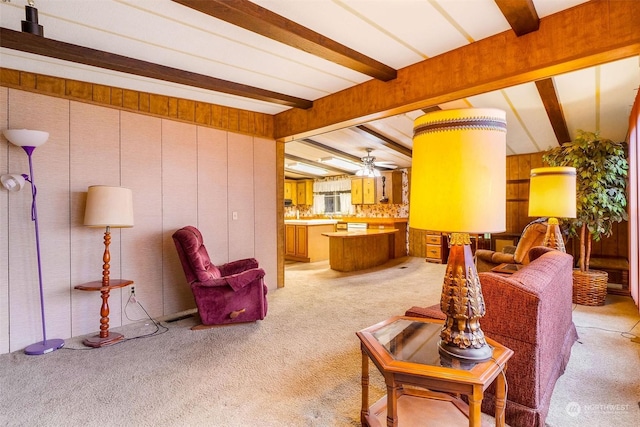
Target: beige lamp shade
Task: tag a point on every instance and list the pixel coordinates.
(552, 192)
(109, 207)
(458, 171)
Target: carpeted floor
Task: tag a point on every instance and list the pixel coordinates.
(298, 367)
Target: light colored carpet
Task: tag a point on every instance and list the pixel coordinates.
(298, 367)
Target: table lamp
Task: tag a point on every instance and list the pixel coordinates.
(29, 140)
(107, 207)
(458, 186)
(552, 193)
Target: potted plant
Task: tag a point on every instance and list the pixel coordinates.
(601, 168)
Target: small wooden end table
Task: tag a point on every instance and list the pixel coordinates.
(421, 384)
(105, 337)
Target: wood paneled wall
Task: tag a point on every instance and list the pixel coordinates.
(226, 118)
(517, 213)
(518, 171)
(180, 173)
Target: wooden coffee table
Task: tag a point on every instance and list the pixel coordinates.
(421, 384)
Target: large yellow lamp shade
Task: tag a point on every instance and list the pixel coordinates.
(458, 171)
(458, 186)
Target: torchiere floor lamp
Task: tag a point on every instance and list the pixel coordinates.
(29, 140)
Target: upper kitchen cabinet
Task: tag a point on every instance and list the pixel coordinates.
(363, 191)
(290, 190)
(390, 188)
(304, 192)
(369, 191)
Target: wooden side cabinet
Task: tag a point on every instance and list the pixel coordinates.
(434, 247)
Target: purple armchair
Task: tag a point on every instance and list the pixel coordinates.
(230, 293)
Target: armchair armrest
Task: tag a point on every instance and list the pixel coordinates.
(509, 249)
(499, 258)
(235, 281)
(235, 267)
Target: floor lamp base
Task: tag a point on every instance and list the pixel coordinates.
(98, 341)
(44, 347)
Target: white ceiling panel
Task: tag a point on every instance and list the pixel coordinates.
(618, 80)
(518, 139)
(397, 33)
(529, 109)
(576, 92)
(476, 19)
(549, 7)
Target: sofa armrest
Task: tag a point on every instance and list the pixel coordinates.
(536, 299)
(235, 267)
(235, 281)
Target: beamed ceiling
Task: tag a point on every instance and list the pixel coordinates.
(344, 76)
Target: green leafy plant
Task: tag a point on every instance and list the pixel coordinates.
(601, 168)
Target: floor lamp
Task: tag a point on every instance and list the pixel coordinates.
(458, 186)
(552, 193)
(29, 140)
(107, 207)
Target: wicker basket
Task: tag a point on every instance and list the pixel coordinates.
(589, 287)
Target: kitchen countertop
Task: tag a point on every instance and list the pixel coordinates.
(361, 233)
(310, 221)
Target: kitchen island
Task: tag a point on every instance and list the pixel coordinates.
(362, 249)
(304, 241)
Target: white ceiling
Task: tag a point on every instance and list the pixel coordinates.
(397, 33)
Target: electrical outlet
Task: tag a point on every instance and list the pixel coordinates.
(133, 290)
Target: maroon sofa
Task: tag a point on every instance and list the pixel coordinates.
(530, 312)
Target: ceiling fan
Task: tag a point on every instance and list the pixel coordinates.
(369, 165)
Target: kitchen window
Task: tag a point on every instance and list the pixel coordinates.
(332, 203)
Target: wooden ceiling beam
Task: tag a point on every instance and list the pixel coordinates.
(521, 15)
(382, 140)
(252, 17)
(26, 42)
(549, 96)
(431, 109)
(598, 31)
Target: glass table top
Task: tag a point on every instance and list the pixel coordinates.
(416, 342)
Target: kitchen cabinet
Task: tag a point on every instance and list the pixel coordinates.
(304, 192)
(392, 188)
(295, 241)
(304, 241)
(363, 191)
(290, 191)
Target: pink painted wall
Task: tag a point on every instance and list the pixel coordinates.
(634, 201)
(180, 174)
